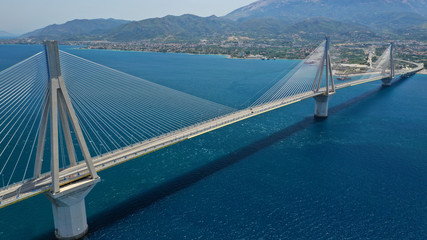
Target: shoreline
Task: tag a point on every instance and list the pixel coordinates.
(83, 47)
(194, 54)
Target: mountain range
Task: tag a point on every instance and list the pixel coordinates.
(76, 29)
(4, 34)
(264, 18)
(361, 11)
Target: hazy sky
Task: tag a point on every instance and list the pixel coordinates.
(20, 16)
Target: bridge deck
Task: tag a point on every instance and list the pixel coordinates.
(22, 190)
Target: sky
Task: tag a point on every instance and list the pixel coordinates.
(21, 16)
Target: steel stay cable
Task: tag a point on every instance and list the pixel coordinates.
(21, 108)
(17, 142)
(148, 83)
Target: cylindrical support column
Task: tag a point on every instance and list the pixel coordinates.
(69, 211)
(321, 109)
(387, 81)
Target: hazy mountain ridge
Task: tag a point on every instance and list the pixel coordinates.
(75, 29)
(4, 34)
(193, 27)
(418, 32)
(182, 27)
(186, 27)
(365, 12)
(262, 19)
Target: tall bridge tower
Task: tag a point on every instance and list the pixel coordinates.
(68, 204)
(387, 81)
(324, 71)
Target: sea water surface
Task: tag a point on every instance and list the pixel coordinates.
(360, 174)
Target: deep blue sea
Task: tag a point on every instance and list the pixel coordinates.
(360, 174)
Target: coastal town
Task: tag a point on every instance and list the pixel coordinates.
(239, 47)
(242, 47)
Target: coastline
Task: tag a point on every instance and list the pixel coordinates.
(195, 54)
(423, 72)
(251, 58)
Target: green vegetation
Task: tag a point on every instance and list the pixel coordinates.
(75, 30)
(352, 56)
(269, 28)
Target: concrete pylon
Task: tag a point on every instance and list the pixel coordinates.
(321, 108)
(387, 81)
(67, 201)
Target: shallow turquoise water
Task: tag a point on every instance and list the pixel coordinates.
(282, 175)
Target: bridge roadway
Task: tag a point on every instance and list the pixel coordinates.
(31, 187)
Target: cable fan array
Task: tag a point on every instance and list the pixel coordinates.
(383, 63)
(299, 80)
(22, 90)
(116, 109)
(346, 72)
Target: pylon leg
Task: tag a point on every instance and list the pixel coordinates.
(41, 139)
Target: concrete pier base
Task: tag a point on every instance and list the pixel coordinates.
(386, 81)
(69, 211)
(321, 109)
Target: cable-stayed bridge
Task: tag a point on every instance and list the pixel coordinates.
(94, 117)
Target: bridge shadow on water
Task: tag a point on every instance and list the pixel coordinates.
(145, 199)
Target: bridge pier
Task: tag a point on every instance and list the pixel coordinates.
(324, 70)
(69, 211)
(387, 81)
(321, 109)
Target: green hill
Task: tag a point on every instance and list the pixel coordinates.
(190, 27)
(317, 28)
(183, 27)
(416, 33)
(261, 20)
(75, 30)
